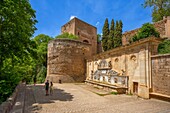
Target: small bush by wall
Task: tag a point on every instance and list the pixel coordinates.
(67, 35)
(145, 31)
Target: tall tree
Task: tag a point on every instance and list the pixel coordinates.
(118, 34)
(160, 8)
(105, 35)
(111, 35)
(17, 25)
(41, 63)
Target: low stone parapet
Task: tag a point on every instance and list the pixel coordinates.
(6, 106)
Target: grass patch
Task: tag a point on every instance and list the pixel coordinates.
(102, 94)
(129, 94)
(113, 93)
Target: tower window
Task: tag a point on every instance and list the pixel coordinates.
(86, 41)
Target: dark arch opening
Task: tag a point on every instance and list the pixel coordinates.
(86, 41)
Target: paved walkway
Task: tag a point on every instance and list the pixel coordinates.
(81, 98)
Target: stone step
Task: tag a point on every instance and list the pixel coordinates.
(160, 96)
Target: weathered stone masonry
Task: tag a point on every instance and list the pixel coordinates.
(66, 60)
(131, 68)
(163, 27)
(161, 74)
(132, 61)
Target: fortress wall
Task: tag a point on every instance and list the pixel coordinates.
(66, 60)
(163, 27)
(86, 32)
(161, 74)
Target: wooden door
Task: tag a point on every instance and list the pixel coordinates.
(135, 87)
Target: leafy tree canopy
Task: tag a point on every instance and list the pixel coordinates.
(160, 9)
(145, 31)
(17, 25)
(164, 47)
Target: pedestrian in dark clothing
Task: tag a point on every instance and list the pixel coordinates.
(47, 87)
(34, 81)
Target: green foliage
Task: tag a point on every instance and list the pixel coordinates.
(67, 35)
(105, 35)
(41, 61)
(145, 31)
(114, 93)
(160, 9)
(17, 54)
(111, 35)
(118, 34)
(164, 47)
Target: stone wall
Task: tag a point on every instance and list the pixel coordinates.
(66, 60)
(163, 27)
(86, 32)
(7, 106)
(161, 74)
(99, 47)
(69, 27)
(132, 61)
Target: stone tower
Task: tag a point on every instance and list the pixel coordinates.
(86, 32)
(66, 57)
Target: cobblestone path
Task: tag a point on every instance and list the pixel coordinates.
(80, 98)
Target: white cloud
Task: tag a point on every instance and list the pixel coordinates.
(71, 17)
(97, 23)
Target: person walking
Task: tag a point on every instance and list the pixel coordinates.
(51, 88)
(47, 87)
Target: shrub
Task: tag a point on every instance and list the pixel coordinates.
(67, 35)
(164, 47)
(145, 31)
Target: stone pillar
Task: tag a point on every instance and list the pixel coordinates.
(167, 27)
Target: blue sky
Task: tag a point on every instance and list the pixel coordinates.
(52, 14)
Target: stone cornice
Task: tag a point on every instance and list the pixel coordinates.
(125, 47)
(160, 55)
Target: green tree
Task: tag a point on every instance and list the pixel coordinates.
(105, 35)
(118, 34)
(145, 31)
(111, 35)
(41, 62)
(17, 25)
(164, 47)
(160, 8)
(17, 20)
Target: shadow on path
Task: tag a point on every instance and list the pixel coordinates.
(58, 95)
